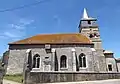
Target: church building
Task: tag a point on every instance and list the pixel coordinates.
(66, 52)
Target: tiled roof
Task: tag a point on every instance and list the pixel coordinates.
(55, 39)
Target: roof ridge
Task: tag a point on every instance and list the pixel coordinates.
(57, 33)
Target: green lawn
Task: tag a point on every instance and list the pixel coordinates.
(16, 78)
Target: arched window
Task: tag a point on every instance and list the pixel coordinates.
(36, 61)
(82, 60)
(29, 59)
(63, 61)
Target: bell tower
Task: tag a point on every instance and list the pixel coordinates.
(88, 26)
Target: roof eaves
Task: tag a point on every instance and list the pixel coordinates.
(46, 43)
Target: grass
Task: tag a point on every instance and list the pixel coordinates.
(17, 77)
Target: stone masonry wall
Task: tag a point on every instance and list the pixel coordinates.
(118, 65)
(16, 61)
(49, 77)
(17, 55)
(112, 62)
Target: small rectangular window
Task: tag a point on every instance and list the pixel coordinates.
(89, 22)
(110, 67)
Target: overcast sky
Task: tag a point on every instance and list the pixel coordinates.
(59, 16)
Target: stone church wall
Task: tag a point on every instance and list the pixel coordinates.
(118, 66)
(101, 60)
(16, 61)
(112, 62)
(50, 77)
(67, 52)
(95, 62)
(17, 55)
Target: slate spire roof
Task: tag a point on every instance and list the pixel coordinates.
(85, 15)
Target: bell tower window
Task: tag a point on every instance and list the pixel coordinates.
(89, 22)
(91, 36)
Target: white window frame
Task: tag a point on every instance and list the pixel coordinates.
(36, 62)
(108, 67)
(62, 68)
(82, 61)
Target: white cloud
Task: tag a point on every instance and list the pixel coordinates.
(8, 34)
(21, 24)
(16, 26)
(2, 37)
(16, 30)
(26, 22)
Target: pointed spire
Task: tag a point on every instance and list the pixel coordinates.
(85, 15)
